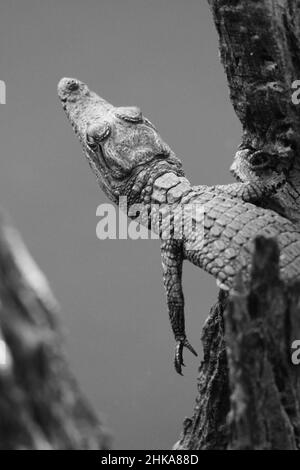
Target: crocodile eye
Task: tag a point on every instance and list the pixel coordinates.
(96, 134)
(129, 114)
(260, 159)
(91, 142)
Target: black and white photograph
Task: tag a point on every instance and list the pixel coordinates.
(149, 228)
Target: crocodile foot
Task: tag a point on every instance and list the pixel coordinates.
(180, 344)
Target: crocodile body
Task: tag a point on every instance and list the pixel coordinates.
(129, 158)
(228, 225)
(266, 161)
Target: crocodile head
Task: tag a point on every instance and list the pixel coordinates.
(263, 158)
(258, 165)
(123, 148)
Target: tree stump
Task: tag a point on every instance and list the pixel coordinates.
(248, 388)
(41, 405)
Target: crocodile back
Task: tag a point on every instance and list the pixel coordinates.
(220, 238)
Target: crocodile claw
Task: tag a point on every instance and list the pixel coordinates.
(278, 181)
(178, 362)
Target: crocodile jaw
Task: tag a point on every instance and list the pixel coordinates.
(130, 140)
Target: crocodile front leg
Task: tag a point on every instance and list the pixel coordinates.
(172, 259)
(253, 191)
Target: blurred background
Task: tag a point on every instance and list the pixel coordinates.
(161, 55)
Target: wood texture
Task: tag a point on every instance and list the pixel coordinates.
(41, 404)
(248, 389)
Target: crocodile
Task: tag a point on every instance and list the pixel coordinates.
(130, 159)
(261, 160)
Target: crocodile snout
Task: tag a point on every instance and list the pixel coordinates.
(69, 87)
(71, 84)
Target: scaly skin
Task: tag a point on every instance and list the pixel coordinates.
(261, 162)
(129, 158)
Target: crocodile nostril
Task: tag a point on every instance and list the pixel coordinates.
(68, 86)
(72, 85)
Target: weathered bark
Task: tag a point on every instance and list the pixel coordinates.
(207, 428)
(260, 327)
(41, 405)
(259, 44)
(248, 389)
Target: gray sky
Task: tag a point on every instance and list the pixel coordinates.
(161, 55)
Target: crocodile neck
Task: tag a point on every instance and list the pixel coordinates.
(286, 200)
(145, 180)
(169, 188)
(158, 200)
